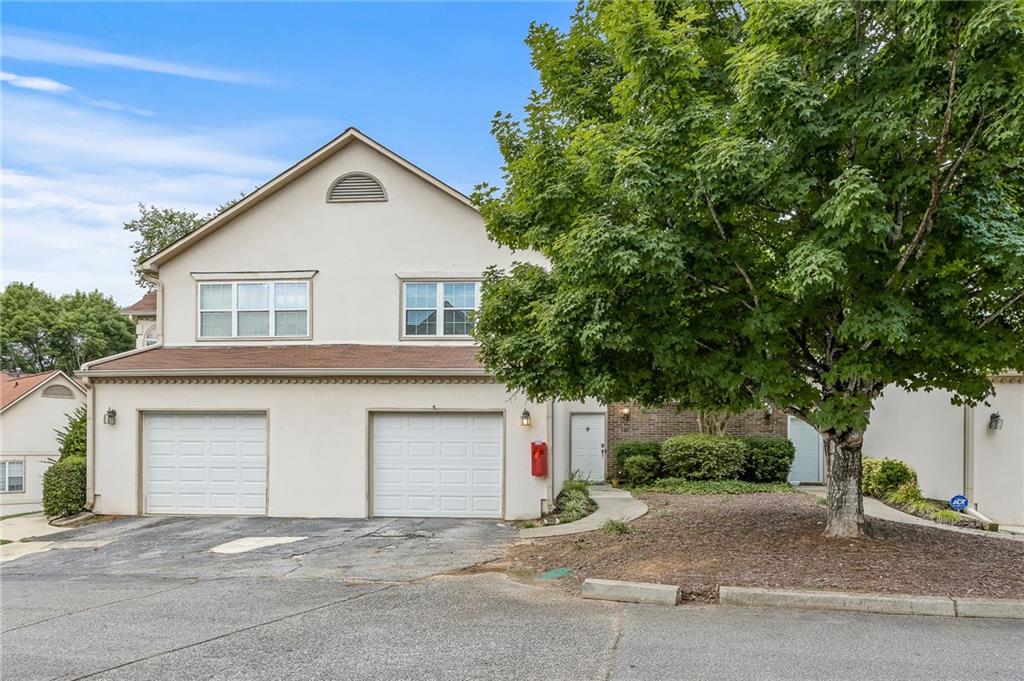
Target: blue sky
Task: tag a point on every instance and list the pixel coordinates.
(186, 105)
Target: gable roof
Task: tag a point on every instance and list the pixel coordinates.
(145, 305)
(14, 389)
(268, 189)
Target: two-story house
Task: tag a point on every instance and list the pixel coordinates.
(312, 356)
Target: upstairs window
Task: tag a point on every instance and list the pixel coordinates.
(355, 188)
(254, 309)
(439, 308)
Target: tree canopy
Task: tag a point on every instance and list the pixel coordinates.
(40, 332)
(793, 203)
(157, 228)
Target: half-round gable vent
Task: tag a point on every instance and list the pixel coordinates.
(356, 187)
(58, 391)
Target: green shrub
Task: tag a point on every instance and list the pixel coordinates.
(681, 486)
(703, 457)
(624, 450)
(64, 487)
(768, 459)
(907, 493)
(882, 477)
(71, 440)
(945, 516)
(638, 469)
(616, 527)
(576, 485)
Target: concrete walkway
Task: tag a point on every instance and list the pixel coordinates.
(612, 504)
(25, 526)
(874, 508)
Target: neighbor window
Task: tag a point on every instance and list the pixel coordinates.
(439, 308)
(254, 309)
(12, 476)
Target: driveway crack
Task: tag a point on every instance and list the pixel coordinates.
(613, 653)
(235, 631)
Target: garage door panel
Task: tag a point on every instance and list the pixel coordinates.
(436, 465)
(204, 463)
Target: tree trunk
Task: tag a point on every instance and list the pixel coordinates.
(842, 466)
(712, 422)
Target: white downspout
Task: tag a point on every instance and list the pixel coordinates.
(969, 454)
(550, 408)
(90, 447)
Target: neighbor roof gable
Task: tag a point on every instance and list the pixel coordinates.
(14, 390)
(296, 171)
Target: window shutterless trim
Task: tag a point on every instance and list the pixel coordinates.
(5, 478)
(439, 307)
(271, 310)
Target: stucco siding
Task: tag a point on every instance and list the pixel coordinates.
(318, 437)
(357, 249)
(999, 456)
(27, 433)
(925, 430)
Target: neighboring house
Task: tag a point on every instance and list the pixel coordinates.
(313, 358)
(974, 451)
(32, 408)
(142, 313)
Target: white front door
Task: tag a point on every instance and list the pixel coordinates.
(587, 455)
(204, 463)
(436, 465)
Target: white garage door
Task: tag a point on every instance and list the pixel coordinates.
(437, 465)
(205, 463)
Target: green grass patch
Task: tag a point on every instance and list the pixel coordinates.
(681, 486)
(616, 527)
(4, 541)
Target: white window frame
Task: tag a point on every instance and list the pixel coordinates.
(438, 307)
(5, 476)
(234, 310)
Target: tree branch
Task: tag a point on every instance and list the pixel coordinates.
(1003, 308)
(739, 268)
(940, 155)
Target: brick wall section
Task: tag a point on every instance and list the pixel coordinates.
(656, 425)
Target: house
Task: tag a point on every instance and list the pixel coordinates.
(32, 408)
(974, 451)
(142, 313)
(312, 358)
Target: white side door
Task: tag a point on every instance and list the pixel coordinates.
(587, 456)
(204, 463)
(807, 462)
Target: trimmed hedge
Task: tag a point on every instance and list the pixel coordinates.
(624, 450)
(768, 459)
(703, 457)
(64, 487)
(638, 469)
(882, 477)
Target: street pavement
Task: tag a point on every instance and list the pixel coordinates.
(376, 599)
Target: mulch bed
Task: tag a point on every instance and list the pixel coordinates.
(775, 540)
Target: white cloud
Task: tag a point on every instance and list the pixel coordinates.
(73, 175)
(25, 47)
(115, 106)
(34, 83)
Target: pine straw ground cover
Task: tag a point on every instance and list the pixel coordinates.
(775, 540)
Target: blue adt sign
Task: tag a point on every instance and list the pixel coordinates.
(959, 502)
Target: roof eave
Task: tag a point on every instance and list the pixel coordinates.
(304, 372)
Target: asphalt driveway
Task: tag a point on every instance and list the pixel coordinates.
(375, 599)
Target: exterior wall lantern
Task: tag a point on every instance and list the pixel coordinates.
(995, 422)
(624, 411)
(110, 417)
(525, 420)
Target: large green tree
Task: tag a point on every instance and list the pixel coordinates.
(39, 332)
(797, 203)
(157, 228)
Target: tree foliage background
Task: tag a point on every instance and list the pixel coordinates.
(40, 332)
(797, 203)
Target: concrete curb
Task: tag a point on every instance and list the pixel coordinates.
(890, 604)
(612, 504)
(631, 592)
